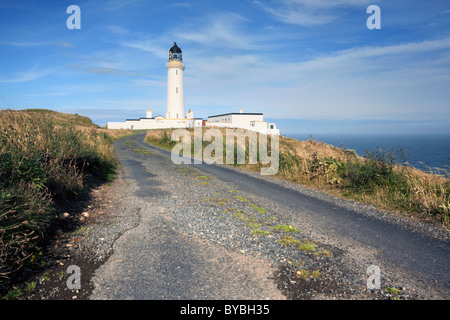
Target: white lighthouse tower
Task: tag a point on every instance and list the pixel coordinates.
(175, 86)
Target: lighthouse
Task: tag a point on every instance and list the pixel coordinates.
(175, 116)
(175, 86)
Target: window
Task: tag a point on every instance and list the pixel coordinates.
(176, 71)
(177, 89)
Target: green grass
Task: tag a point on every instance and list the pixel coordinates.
(259, 209)
(241, 199)
(393, 290)
(306, 274)
(288, 241)
(285, 228)
(238, 215)
(143, 151)
(307, 247)
(13, 294)
(253, 225)
(260, 232)
(325, 253)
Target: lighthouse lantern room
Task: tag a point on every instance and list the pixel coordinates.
(175, 86)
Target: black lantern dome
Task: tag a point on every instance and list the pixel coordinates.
(175, 53)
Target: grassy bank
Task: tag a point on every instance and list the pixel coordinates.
(378, 178)
(45, 158)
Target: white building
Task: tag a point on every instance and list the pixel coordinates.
(175, 116)
(248, 121)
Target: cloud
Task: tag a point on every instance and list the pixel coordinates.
(118, 30)
(113, 5)
(50, 94)
(25, 44)
(221, 30)
(64, 44)
(28, 44)
(151, 83)
(307, 12)
(402, 81)
(180, 5)
(101, 70)
(147, 44)
(26, 76)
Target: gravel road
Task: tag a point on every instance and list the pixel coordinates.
(216, 232)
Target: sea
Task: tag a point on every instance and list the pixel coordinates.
(429, 152)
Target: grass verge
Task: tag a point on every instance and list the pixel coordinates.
(46, 159)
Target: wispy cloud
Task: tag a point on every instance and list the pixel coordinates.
(151, 83)
(49, 94)
(64, 44)
(148, 44)
(366, 82)
(102, 70)
(120, 4)
(307, 12)
(180, 5)
(25, 44)
(28, 44)
(26, 76)
(221, 29)
(118, 30)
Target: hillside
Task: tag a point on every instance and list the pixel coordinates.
(47, 161)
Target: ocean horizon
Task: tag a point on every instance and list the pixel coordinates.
(428, 152)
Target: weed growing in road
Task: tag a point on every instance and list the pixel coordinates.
(260, 232)
(143, 151)
(238, 215)
(286, 228)
(288, 241)
(325, 253)
(307, 247)
(259, 209)
(241, 199)
(253, 225)
(306, 274)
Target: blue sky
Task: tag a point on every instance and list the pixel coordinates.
(311, 66)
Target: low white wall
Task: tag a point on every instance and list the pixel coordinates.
(148, 124)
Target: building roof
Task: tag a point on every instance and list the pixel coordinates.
(162, 117)
(236, 113)
(175, 48)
